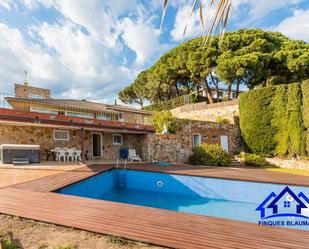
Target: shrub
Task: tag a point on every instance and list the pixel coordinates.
(272, 120)
(305, 92)
(164, 118)
(221, 120)
(256, 114)
(255, 160)
(209, 154)
(8, 244)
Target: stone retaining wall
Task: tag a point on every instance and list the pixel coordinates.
(177, 147)
(208, 112)
(289, 164)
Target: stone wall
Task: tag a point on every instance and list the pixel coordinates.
(178, 147)
(208, 112)
(289, 164)
(23, 91)
(43, 136)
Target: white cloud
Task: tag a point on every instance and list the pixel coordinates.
(80, 55)
(7, 4)
(295, 26)
(257, 10)
(180, 23)
(141, 38)
(21, 55)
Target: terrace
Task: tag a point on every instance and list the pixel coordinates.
(36, 200)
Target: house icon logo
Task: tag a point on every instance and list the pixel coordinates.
(284, 204)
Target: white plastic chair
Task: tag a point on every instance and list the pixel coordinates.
(133, 156)
(78, 155)
(61, 154)
(70, 155)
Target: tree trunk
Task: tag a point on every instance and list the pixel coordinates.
(229, 89)
(237, 88)
(216, 82)
(209, 94)
(188, 87)
(177, 90)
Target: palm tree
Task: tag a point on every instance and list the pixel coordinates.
(218, 20)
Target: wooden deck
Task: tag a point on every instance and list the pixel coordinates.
(167, 228)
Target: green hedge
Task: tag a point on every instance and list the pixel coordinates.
(305, 93)
(175, 102)
(256, 114)
(271, 120)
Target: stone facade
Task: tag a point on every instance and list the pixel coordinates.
(178, 147)
(289, 164)
(43, 136)
(25, 91)
(208, 112)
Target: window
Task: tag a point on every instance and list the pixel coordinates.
(43, 110)
(61, 135)
(35, 96)
(117, 139)
(196, 140)
(287, 204)
(103, 117)
(79, 115)
(121, 116)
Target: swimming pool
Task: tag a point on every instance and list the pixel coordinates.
(231, 199)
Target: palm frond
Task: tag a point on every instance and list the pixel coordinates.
(165, 2)
(219, 20)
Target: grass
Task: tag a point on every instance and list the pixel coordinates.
(290, 171)
(8, 244)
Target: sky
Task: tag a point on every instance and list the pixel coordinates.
(91, 49)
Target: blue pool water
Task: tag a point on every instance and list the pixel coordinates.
(229, 199)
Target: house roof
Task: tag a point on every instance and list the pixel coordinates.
(78, 104)
(13, 117)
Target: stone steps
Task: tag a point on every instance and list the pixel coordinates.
(236, 163)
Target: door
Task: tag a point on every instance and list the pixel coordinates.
(224, 141)
(196, 140)
(97, 145)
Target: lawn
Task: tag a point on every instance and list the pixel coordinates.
(290, 171)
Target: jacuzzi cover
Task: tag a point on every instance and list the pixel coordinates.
(20, 146)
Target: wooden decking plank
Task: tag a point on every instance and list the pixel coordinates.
(147, 224)
(151, 225)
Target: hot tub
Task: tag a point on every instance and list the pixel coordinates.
(19, 153)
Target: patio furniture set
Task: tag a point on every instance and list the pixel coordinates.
(67, 154)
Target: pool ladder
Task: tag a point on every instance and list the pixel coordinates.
(124, 166)
(121, 175)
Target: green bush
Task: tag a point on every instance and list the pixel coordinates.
(162, 118)
(221, 120)
(8, 244)
(255, 160)
(256, 114)
(209, 154)
(295, 127)
(305, 95)
(271, 120)
(280, 120)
